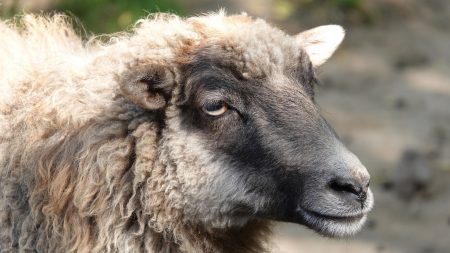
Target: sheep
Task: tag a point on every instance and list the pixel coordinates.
(182, 135)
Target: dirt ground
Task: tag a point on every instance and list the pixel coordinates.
(387, 93)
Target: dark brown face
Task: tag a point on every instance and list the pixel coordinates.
(283, 161)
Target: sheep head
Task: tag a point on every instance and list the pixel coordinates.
(242, 137)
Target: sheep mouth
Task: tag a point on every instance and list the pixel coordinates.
(351, 218)
(333, 225)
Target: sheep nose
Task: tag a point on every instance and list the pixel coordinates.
(351, 179)
(352, 187)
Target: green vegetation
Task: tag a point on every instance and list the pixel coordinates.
(104, 16)
(347, 4)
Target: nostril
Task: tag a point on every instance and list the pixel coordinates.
(349, 186)
(345, 186)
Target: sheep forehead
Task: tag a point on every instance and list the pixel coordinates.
(254, 46)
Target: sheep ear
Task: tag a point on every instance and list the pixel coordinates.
(147, 86)
(321, 42)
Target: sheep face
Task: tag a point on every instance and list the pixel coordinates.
(243, 138)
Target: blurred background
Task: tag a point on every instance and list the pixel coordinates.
(386, 92)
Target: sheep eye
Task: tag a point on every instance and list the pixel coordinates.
(215, 108)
